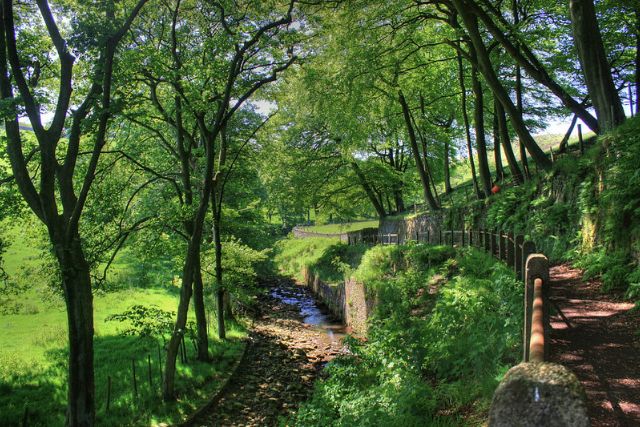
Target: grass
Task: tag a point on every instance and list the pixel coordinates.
(342, 228)
(33, 355)
(445, 329)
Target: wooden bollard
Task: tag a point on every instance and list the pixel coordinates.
(536, 343)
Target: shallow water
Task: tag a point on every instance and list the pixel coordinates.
(313, 315)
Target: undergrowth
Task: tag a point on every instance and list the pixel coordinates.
(586, 210)
(445, 329)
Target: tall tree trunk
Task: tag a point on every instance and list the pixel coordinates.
(447, 172)
(506, 143)
(377, 205)
(481, 142)
(497, 152)
(637, 60)
(534, 68)
(76, 282)
(486, 68)
(201, 315)
(467, 126)
(523, 152)
(217, 244)
(519, 103)
(595, 66)
(191, 260)
(565, 139)
(398, 198)
(424, 178)
(168, 385)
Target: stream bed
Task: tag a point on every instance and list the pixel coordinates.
(313, 314)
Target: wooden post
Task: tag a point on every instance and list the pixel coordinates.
(502, 253)
(149, 365)
(108, 392)
(510, 250)
(135, 382)
(160, 362)
(537, 267)
(518, 264)
(580, 140)
(528, 248)
(452, 234)
(463, 231)
(487, 241)
(492, 242)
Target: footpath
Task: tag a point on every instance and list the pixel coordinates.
(278, 371)
(597, 336)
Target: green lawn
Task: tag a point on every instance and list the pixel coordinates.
(342, 228)
(33, 356)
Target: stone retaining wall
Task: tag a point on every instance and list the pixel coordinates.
(347, 300)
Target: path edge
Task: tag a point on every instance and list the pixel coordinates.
(191, 419)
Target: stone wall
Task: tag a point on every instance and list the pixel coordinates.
(347, 300)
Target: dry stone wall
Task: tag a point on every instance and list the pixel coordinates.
(348, 300)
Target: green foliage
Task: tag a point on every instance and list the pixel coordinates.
(292, 255)
(240, 265)
(620, 198)
(342, 227)
(33, 359)
(145, 321)
(445, 328)
(614, 267)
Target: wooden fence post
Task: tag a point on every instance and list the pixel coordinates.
(502, 246)
(510, 250)
(518, 264)
(135, 382)
(537, 267)
(463, 231)
(528, 248)
(492, 242)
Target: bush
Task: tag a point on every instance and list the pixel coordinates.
(292, 255)
(614, 267)
(427, 351)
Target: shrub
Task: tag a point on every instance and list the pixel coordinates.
(426, 351)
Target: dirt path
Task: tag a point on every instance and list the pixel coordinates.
(596, 336)
(284, 358)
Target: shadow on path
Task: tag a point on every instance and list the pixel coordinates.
(595, 335)
(278, 371)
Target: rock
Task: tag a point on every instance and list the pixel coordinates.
(539, 394)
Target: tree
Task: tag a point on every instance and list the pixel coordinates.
(595, 66)
(245, 50)
(63, 189)
(486, 68)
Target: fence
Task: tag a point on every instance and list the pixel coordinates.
(508, 247)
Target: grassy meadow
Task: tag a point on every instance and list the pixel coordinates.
(342, 228)
(33, 353)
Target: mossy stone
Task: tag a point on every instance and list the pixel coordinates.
(539, 394)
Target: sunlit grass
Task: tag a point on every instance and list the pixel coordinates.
(33, 355)
(342, 228)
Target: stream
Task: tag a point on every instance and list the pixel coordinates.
(313, 315)
(292, 339)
